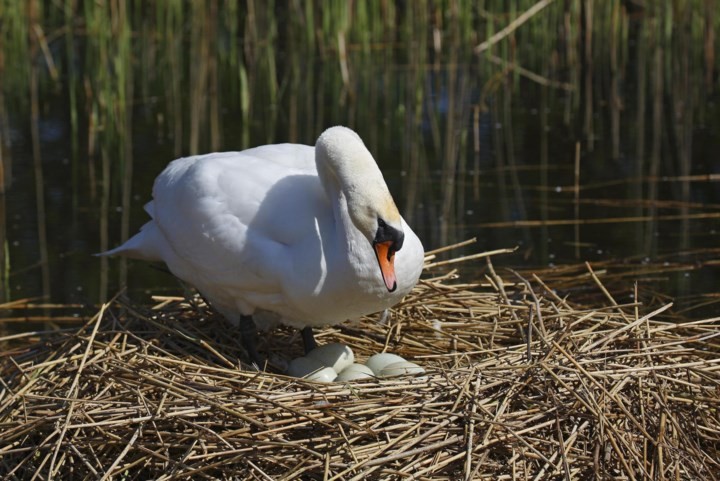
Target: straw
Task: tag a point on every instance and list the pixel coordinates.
(610, 390)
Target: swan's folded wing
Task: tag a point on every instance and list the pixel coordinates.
(231, 218)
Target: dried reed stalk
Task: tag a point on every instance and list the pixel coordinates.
(162, 392)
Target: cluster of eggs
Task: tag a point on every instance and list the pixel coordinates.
(336, 362)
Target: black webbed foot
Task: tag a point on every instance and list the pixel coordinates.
(248, 331)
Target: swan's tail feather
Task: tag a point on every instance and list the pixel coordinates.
(145, 245)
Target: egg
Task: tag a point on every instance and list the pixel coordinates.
(326, 374)
(378, 361)
(354, 372)
(403, 368)
(311, 369)
(335, 355)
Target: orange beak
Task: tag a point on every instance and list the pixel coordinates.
(386, 257)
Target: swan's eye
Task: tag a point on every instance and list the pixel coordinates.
(388, 233)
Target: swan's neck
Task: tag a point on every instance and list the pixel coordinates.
(353, 182)
(349, 240)
(357, 190)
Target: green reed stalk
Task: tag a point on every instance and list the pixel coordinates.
(4, 183)
(69, 11)
(35, 18)
(124, 111)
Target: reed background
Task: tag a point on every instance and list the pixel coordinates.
(575, 129)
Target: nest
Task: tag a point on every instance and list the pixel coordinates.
(519, 384)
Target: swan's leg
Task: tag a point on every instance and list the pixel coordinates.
(308, 339)
(248, 331)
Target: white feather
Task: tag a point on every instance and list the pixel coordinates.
(261, 233)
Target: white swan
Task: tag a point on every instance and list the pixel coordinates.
(305, 236)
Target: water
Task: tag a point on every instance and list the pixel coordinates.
(488, 145)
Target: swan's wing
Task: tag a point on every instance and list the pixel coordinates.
(295, 157)
(231, 219)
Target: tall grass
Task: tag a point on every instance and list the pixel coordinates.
(227, 74)
(34, 38)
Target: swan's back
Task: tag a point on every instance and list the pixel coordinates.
(223, 221)
(256, 232)
(221, 194)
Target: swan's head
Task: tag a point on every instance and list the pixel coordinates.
(343, 159)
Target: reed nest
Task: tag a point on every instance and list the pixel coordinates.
(520, 384)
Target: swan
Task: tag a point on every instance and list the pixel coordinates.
(285, 233)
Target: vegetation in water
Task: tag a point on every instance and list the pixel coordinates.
(568, 127)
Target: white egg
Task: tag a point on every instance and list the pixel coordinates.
(358, 367)
(378, 361)
(355, 371)
(337, 356)
(305, 367)
(403, 368)
(326, 374)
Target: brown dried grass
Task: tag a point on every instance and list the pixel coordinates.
(520, 384)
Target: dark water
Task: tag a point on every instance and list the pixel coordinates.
(487, 145)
